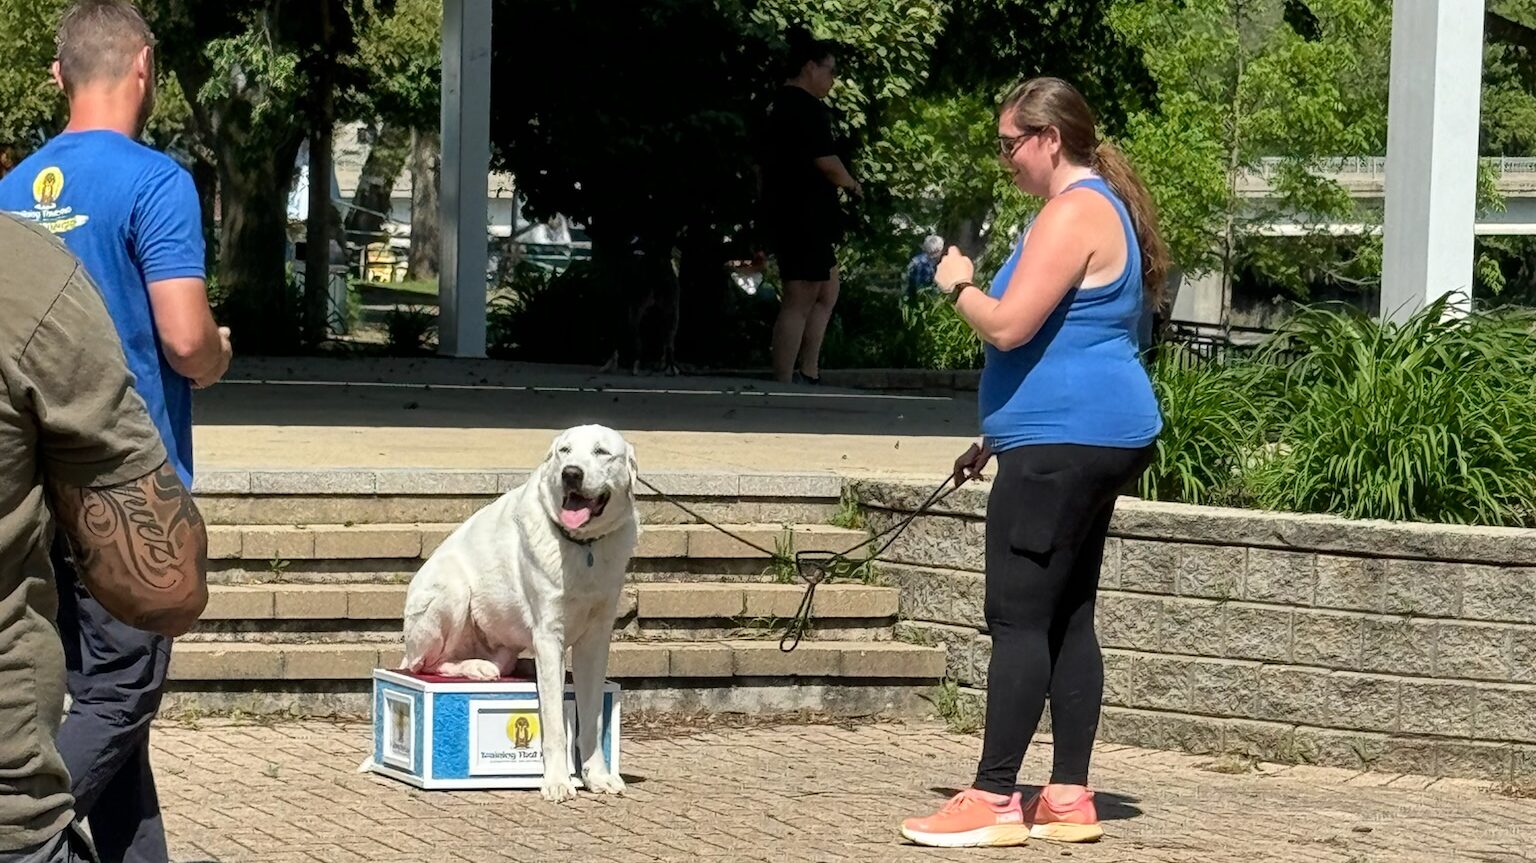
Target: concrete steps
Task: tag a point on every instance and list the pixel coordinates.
(718, 659)
(308, 574)
(393, 552)
(450, 496)
(854, 678)
(276, 613)
(417, 541)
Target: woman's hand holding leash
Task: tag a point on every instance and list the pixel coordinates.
(971, 463)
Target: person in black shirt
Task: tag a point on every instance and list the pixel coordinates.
(801, 173)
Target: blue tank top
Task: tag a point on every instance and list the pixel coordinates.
(1080, 380)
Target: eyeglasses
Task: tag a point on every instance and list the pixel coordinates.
(1007, 145)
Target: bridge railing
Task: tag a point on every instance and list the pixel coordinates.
(1376, 166)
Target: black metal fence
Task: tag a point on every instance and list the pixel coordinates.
(1192, 344)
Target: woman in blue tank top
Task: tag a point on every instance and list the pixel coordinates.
(1067, 407)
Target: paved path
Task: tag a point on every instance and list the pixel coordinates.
(289, 793)
(480, 414)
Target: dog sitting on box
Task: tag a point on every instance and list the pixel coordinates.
(540, 568)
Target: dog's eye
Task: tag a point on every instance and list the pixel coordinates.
(565, 450)
(600, 451)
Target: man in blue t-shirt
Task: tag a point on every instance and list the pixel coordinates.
(133, 218)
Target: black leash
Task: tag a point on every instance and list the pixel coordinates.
(815, 567)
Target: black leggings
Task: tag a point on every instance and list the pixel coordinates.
(1046, 521)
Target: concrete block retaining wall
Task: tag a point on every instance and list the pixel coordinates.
(1292, 638)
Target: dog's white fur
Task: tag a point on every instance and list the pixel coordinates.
(513, 577)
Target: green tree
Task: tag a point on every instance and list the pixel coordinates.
(655, 131)
(1242, 81)
(30, 106)
(401, 54)
(934, 154)
(1504, 272)
(885, 48)
(263, 75)
(32, 109)
(1509, 79)
(934, 163)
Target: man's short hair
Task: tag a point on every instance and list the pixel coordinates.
(803, 49)
(98, 40)
(933, 244)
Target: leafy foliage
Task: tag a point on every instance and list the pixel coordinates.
(1216, 420)
(250, 65)
(1506, 268)
(1241, 80)
(941, 339)
(399, 55)
(1508, 115)
(651, 127)
(1428, 420)
(654, 126)
(534, 319)
(408, 329)
(30, 106)
(880, 329)
(885, 46)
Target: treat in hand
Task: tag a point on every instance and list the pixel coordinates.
(953, 269)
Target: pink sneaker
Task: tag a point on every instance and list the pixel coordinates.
(970, 819)
(1078, 821)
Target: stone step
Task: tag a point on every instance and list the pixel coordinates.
(452, 509)
(372, 602)
(642, 570)
(230, 663)
(416, 541)
(450, 496)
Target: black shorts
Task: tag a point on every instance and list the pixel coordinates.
(806, 259)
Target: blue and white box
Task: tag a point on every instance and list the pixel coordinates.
(441, 732)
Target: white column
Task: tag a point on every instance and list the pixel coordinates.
(465, 174)
(1432, 125)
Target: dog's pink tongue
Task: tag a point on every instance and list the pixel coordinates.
(573, 519)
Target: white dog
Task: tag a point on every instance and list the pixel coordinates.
(541, 567)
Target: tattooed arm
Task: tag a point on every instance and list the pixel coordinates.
(140, 547)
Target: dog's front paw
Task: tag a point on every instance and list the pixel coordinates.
(479, 669)
(599, 781)
(558, 789)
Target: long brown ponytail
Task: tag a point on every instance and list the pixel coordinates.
(1041, 102)
(1116, 170)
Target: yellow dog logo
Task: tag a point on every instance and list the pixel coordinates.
(47, 187)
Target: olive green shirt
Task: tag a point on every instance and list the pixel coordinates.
(69, 414)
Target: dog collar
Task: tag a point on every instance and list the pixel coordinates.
(584, 543)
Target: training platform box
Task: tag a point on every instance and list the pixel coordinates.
(446, 732)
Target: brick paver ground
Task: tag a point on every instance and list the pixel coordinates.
(289, 792)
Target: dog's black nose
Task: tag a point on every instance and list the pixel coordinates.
(571, 476)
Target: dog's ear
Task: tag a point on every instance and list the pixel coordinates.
(634, 466)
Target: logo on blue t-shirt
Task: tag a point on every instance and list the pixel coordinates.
(133, 218)
(47, 186)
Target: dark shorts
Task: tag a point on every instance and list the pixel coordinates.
(806, 259)
(803, 238)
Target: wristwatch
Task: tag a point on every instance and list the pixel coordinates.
(957, 290)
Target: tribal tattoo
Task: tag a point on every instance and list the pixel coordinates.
(140, 547)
